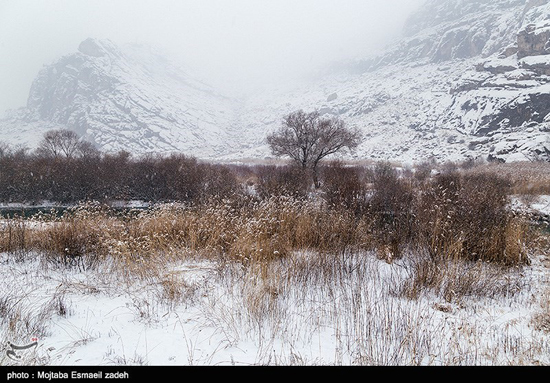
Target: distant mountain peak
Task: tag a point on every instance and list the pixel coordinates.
(127, 98)
(471, 79)
(97, 48)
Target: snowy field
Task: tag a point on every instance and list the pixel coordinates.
(200, 312)
(307, 308)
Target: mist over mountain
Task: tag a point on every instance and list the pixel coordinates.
(468, 79)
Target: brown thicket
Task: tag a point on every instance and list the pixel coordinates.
(259, 211)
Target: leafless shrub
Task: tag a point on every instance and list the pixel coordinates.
(526, 178)
(391, 210)
(467, 217)
(68, 177)
(423, 171)
(344, 186)
(287, 180)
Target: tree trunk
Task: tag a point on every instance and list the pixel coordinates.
(315, 177)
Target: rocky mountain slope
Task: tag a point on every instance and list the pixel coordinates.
(125, 98)
(469, 79)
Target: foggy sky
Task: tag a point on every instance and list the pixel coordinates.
(227, 41)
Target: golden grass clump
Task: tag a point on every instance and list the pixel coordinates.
(468, 217)
(134, 242)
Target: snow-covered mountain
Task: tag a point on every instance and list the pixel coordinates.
(125, 98)
(469, 79)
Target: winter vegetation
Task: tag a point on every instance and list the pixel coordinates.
(404, 221)
(255, 264)
(307, 139)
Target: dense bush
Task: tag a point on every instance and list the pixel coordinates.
(391, 208)
(456, 214)
(32, 178)
(344, 186)
(287, 180)
(468, 217)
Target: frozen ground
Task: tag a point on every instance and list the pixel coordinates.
(208, 312)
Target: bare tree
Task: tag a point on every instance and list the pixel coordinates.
(63, 143)
(307, 138)
(4, 149)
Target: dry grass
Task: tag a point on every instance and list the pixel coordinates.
(458, 219)
(542, 319)
(137, 244)
(305, 283)
(527, 178)
(282, 255)
(21, 318)
(541, 241)
(455, 279)
(468, 217)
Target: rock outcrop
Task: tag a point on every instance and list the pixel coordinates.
(533, 41)
(488, 69)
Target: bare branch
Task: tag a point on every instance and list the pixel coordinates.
(63, 143)
(307, 138)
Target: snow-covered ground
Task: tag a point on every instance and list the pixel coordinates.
(208, 312)
(309, 309)
(542, 205)
(538, 205)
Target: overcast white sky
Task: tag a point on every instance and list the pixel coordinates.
(244, 39)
